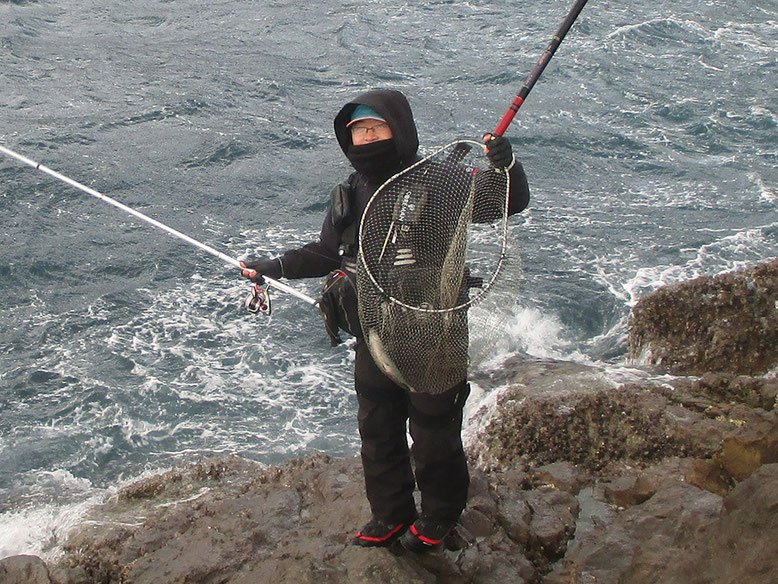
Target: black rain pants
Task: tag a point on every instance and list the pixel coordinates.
(435, 424)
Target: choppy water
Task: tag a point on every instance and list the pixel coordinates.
(650, 144)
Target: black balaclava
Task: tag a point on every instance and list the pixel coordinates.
(377, 160)
(380, 160)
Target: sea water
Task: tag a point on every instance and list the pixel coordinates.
(649, 143)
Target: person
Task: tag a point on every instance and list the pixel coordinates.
(378, 135)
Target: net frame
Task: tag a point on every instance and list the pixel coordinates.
(504, 236)
(422, 337)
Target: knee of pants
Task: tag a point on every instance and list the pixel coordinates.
(434, 412)
(381, 419)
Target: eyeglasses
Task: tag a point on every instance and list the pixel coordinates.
(379, 130)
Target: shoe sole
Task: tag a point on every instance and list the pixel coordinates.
(416, 543)
(386, 541)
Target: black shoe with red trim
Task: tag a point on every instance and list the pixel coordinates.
(426, 533)
(380, 534)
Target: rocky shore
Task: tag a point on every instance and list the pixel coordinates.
(575, 480)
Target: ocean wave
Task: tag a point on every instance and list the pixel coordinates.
(732, 252)
(664, 31)
(41, 530)
(766, 193)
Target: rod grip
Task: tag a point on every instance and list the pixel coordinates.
(509, 115)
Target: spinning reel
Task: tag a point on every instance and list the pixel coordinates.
(258, 300)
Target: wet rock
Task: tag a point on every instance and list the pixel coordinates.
(23, 570)
(294, 524)
(609, 551)
(514, 514)
(592, 426)
(627, 491)
(726, 388)
(742, 546)
(659, 469)
(708, 474)
(245, 523)
(477, 523)
(586, 430)
(726, 323)
(552, 523)
(739, 545)
(562, 475)
(752, 443)
(495, 560)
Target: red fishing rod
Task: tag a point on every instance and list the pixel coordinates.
(536, 73)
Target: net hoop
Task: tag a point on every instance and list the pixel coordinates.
(468, 144)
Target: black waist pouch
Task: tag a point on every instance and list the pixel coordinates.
(338, 306)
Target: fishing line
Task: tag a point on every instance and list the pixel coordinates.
(191, 241)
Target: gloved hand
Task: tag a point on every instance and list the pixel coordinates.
(499, 151)
(255, 269)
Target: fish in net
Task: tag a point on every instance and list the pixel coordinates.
(433, 245)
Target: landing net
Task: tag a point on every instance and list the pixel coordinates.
(433, 243)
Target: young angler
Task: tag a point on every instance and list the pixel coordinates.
(377, 133)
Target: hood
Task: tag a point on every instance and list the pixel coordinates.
(395, 109)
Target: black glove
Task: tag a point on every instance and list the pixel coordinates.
(498, 151)
(269, 268)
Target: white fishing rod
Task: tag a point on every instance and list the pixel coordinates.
(262, 302)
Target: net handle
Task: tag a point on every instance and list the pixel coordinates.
(538, 70)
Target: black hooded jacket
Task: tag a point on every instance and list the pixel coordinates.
(394, 108)
(321, 257)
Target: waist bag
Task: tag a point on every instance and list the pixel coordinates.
(338, 306)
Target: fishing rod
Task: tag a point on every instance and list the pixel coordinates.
(538, 70)
(258, 300)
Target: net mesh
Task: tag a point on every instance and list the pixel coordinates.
(432, 243)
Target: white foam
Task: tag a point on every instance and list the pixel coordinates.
(622, 30)
(689, 25)
(538, 334)
(707, 66)
(766, 193)
(479, 411)
(747, 36)
(42, 529)
(38, 531)
(732, 252)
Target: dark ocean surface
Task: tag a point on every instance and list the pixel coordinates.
(650, 142)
